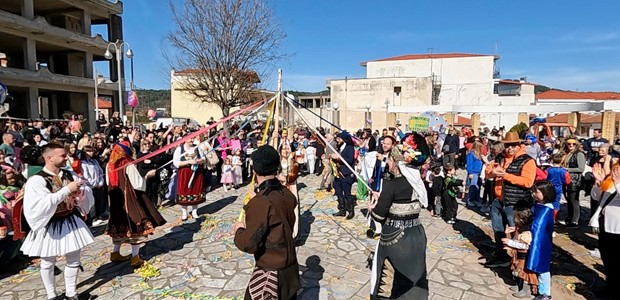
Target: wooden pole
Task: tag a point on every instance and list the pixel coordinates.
(276, 117)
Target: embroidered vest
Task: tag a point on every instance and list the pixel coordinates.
(63, 209)
(514, 194)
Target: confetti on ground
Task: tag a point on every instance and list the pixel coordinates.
(147, 271)
(171, 292)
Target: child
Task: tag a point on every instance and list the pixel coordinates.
(519, 247)
(449, 194)
(227, 174)
(237, 172)
(436, 179)
(539, 258)
(560, 178)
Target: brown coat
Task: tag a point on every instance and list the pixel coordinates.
(267, 235)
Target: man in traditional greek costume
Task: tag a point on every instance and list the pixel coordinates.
(54, 202)
(268, 232)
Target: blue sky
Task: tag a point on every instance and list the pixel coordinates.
(564, 44)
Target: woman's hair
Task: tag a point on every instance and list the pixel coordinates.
(83, 142)
(227, 161)
(68, 146)
(523, 217)
(547, 189)
(32, 156)
(476, 148)
(498, 147)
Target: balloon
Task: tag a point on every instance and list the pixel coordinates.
(132, 99)
(151, 113)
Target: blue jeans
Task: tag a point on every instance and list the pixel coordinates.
(474, 188)
(502, 215)
(544, 283)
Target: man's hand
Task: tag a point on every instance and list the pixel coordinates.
(334, 156)
(505, 241)
(379, 156)
(497, 171)
(471, 176)
(615, 175)
(75, 185)
(598, 174)
(238, 225)
(509, 230)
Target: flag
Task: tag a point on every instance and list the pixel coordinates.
(132, 99)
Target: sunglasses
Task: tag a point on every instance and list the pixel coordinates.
(512, 145)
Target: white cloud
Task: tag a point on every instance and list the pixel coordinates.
(579, 79)
(589, 38)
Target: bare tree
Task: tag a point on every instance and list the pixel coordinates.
(224, 47)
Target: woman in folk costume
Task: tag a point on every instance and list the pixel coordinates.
(55, 201)
(190, 191)
(133, 215)
(399, 262)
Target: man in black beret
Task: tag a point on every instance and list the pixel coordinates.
(267, 232)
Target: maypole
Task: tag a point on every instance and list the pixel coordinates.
(276, 128)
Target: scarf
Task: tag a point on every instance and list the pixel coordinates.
(120, 156)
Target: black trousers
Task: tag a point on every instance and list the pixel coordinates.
(342, 186)
(152, 189)
(574, 210)
(101, 201)
(450, 206)
(608, 245)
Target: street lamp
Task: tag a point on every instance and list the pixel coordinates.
(118, 48)
(367, 116)
(336, 117)
(387, 105)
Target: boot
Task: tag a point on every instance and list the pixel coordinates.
(341, 206)
(350, 205)
(524, 292)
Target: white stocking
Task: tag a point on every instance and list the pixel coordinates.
(47, 275)
(195, 211)
(184, 212)
(72, 269)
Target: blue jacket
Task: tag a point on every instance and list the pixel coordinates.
(539, 255)
(557, 176)
(474, 165)
(348, 154)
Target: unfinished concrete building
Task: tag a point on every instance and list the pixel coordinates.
(50, 51)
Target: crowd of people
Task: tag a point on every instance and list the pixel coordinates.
(512, 177)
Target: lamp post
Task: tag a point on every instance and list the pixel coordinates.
(118, 48)
(387, 105)
(335, 117)
(367, 116)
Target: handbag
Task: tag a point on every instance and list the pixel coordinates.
(212, 159)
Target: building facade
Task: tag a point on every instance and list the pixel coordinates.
(185, 105)
(430, 81)
(50, 50)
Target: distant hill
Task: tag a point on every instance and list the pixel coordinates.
(154, 98)
(540, 89)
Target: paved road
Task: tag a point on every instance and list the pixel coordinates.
(197, 259)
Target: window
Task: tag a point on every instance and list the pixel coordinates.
(397, 90)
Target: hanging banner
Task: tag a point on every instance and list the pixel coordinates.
(132, 99)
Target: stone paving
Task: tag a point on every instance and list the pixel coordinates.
(198, 260)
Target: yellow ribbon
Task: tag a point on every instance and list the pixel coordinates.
(247, 198)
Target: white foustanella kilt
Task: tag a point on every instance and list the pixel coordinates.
(58, 238)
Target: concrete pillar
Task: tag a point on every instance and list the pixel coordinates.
(475, 122)
(391, 120)
(86, 23)
(30, 55)
(574, 119)
(449, 117)
(32, 96)
(609, 125)
(522, 118)
(88, 65)
(90, 109)
(27, 9)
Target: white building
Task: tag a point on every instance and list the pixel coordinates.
(409, 84)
